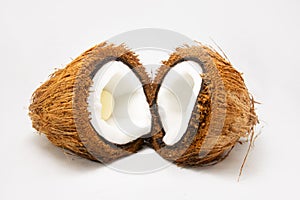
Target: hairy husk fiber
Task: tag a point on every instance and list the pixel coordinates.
(224, 111)
(59, 106)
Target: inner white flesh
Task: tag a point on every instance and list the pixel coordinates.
(130, 118)
(176, 99)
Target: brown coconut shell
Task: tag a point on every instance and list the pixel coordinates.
(59, 106)
(223, 113)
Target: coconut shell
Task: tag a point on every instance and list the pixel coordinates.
(223, 113)
(59, 107)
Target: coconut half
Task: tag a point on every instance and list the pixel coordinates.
(201, 107)
(95, 105)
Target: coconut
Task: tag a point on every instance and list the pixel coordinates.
(76, 107)
(215, 108)
(103, 106)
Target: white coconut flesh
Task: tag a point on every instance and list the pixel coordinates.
(118, 108)
(176, 99)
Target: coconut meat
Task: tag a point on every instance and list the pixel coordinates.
(107, 103)
(176, 99)
(118, 108)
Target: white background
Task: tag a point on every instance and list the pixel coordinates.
(261, 39)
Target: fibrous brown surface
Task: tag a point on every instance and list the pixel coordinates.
(59, 106)
(224, 111)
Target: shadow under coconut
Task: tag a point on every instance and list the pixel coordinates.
(62, 156)
(230, 167)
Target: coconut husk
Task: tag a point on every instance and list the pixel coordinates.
(223, 113)
(59, 106)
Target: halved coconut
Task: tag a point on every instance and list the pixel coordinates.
(96, 107)
(201, 107)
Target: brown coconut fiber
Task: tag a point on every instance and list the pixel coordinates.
(224, 111)
(59, 107)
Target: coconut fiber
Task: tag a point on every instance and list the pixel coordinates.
(59, 107)
(222, 114)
